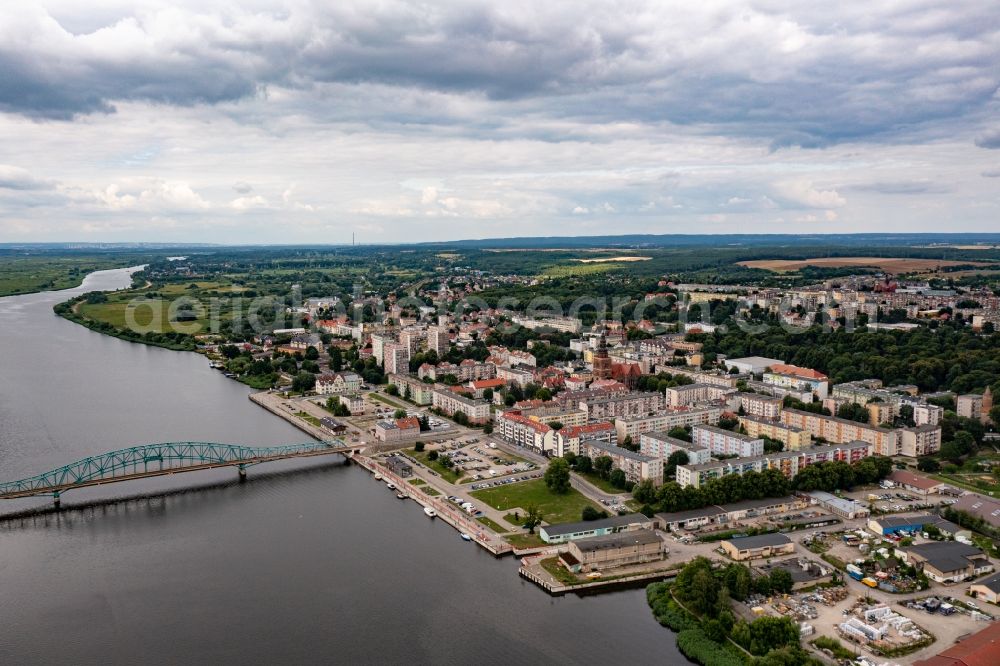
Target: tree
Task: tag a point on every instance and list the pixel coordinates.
(627, 443)
(391, 390)
(781, 581)
(399, 414)
(738, 581)
(617, 478)
(929, 465)
(488, 395)
(584, 464)
(304, 381)
(532, 519)
(336, 359)
(432, 456)
(679, 432)
(557, 476)
(603, 465)
(590, 513)
(673, 460)
(418, 447)
(312, 354)
(645, 492)
(488, 428)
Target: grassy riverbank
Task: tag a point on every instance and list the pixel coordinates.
(31, 274)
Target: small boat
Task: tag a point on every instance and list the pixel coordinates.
(390, 485)
(466, 537)
(401, 495)
(431, 513)
(378, 477)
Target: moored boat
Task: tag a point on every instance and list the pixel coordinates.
(431, 513)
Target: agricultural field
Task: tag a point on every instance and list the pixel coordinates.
(895, 265)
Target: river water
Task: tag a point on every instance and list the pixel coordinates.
(304, 563)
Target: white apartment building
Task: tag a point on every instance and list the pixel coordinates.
(726, 442)
(660, 445)
(665, 420)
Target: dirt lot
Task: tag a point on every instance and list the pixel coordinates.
(890, 264)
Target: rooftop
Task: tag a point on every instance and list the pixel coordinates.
(591, 525)
(759, 541)
(618, 540)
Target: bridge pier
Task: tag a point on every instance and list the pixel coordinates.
(55, 499)
(243, 472)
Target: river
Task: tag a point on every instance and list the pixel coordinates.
(304, 563)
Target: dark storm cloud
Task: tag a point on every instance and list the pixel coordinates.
(989, 140)
(787, 75)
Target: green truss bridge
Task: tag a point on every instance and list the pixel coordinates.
(139, 462)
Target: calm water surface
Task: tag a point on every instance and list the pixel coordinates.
(302, 564)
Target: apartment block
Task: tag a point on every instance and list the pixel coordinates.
(412, 388)
(451, 403)
(660, 445)
(515, 428)
(788, 462)
(919, 441)
(793, 438)
(629, 404)
(665, 420)
(836, 430)
(763, 406)
(692, 394)
(726, 442)
(637, 467)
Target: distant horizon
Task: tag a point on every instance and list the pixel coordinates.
(575, 241)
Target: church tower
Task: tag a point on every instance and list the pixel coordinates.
(602, 362)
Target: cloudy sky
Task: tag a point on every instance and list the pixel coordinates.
(248, 121)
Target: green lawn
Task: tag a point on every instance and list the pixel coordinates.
(308, 418)
(556, 508)
(524, 540)
(417, 482)
(493, 525)
(448, 474)
(427, 490)
(602, 484)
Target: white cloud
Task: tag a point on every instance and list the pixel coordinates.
(803, 192)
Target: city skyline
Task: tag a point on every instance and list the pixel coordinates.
(187, 122)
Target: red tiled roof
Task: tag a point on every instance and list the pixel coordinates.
(911, 479)
(980, 649)
(408, 423)
(796, 371)
(488, 383)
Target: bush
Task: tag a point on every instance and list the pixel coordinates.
(419, 447)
